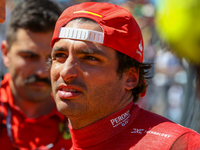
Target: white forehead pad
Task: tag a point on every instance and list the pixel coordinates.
(81, 34)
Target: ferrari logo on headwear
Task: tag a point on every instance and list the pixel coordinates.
(88, 12)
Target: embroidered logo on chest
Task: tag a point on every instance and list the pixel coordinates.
(143, 131)
(122, 120)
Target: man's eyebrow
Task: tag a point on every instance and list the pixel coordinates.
(90, 51)
(59, 49)
(27, 52)
(81, 51)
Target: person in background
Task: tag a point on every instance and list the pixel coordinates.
(97, 75)
(29, 118)
(2, 11)
(2, 20)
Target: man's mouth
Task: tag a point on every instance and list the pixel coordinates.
(68, 93)
(69, 90)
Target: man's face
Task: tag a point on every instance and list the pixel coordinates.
(84, 78)
(27, 65)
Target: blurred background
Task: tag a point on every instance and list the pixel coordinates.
(171, 32)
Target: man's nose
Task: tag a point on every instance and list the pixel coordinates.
(69, 69)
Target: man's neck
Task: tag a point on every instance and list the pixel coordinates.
(79, 121)
(35, 109)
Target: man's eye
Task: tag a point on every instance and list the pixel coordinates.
(91, 58)
(59, 55)
(29, 56)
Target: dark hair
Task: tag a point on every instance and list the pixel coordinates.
(124, 63)
(34, 15)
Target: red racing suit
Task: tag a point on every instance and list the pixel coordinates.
(133, 128)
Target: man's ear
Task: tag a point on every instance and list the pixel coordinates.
(132, 78)
(5, 52)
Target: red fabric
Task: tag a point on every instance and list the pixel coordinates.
(133, 128)
(30, 133)
(121, 31)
